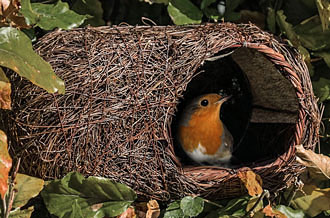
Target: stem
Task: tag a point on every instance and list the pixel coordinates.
(215, 204)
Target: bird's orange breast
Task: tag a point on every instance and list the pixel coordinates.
(205, 129)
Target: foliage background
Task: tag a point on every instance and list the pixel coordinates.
(305, 25)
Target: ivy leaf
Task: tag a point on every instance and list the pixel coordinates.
(27, 187)
(5, 91)
(91, 7)
(192, 206)
(290, 213)
(5, 164)
(96, 196)
(17, 54)
(50, 16)
(184, 12)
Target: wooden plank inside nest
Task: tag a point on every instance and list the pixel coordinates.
(274, 98)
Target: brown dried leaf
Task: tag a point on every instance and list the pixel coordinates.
(251, 181)
(129, 213)
(4, 4)
(268, 211)
(153, 209)
(5, 164)
(5, 91)
(9, 12)
(318, 165)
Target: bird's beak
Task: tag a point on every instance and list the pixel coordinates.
(223, 99)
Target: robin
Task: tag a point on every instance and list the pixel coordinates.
(202, 134)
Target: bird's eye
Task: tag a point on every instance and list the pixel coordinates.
(204, 102)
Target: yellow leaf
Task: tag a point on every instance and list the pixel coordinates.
(153, 209)
(323, 7)
(251, 181)
(312, 200)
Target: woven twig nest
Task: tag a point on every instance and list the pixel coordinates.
(123, 86)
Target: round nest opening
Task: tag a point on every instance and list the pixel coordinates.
(125, 89)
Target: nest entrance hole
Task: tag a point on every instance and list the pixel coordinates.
(263, 110)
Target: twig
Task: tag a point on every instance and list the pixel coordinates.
(10, 198)
(265, 193)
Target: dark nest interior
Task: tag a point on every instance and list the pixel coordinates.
(125, 90)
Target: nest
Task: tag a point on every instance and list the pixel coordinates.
(123, 88)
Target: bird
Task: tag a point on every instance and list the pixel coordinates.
(202, 134)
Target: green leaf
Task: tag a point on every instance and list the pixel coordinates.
(206, 3)
(326, 213)
(27, 187)
(17, 54)
(271, 20)
(311, 34)
(5, 91)
(325, 55)
(290, 213)
(234, 208)
(18, 213)
(288, 30)
(50, 16)
(210, 12)
(297, 10)
(174, 211)
(192, 206)
(157, 1)
(184, 12)
(96, 196)
(91, 7)
(76, 210)
(5, 164)
(230, 14)
(322, 89)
